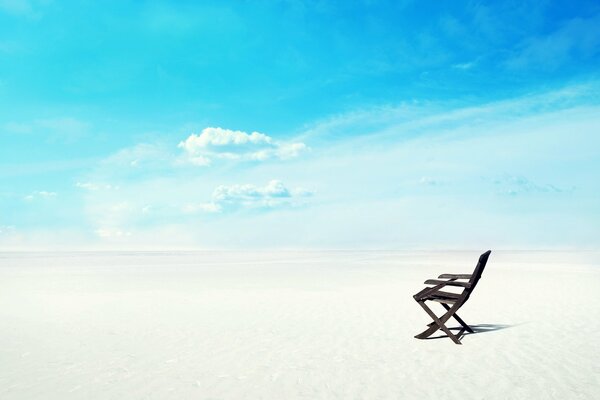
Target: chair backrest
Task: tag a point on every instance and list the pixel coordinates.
(477, 272)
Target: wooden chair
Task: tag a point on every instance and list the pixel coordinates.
(450, 301)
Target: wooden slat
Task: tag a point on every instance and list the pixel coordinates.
(455, 276)
(449, 301)
(449, 283)
(439, 293)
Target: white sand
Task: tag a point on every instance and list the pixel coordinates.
(285, 325)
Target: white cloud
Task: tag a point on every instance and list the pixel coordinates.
(218, 143)
(273, 194)
(274, 188)
(223, 137)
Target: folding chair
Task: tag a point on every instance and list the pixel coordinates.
(450, 301)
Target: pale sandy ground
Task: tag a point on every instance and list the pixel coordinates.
(291, 325)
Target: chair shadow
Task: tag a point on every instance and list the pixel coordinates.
(480, 328)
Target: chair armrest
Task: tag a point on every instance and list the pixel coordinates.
(455, 276)
(427, 291)
(447, 283)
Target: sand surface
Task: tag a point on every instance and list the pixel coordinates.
(291, 325)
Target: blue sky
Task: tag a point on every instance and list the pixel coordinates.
(299, 124)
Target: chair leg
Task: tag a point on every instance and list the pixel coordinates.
(432, 326)
(439, 324)
(459, 319)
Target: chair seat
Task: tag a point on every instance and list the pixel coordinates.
(443, 297)
(445, 301)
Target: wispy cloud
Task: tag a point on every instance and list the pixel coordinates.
(7, 229)
(575, 39)
(93, 186)
(464, 66)
(16, 7)
(105, 233)
(428, 181)
(518, 185)
(41, 194)
(417, 166)
(421, 118)
(139, 159)
(64, 128)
